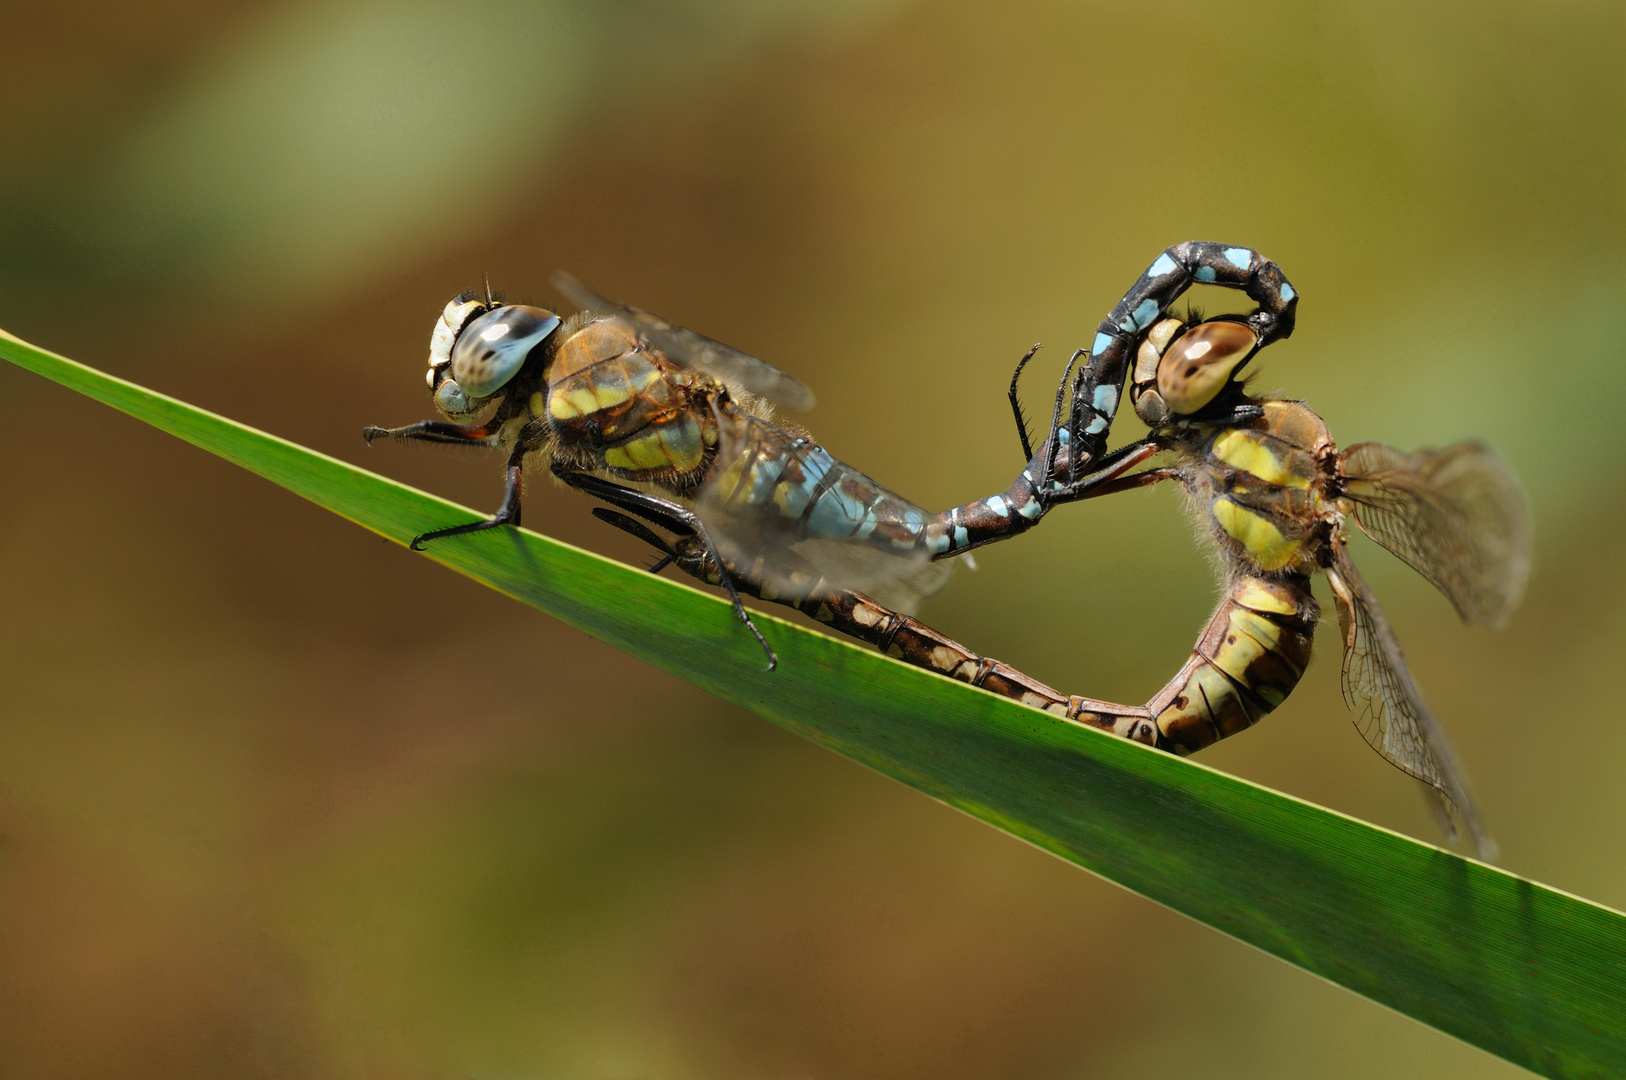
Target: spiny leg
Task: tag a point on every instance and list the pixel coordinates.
(1109, 474)
(642, 532)
(507, 513)
(1059, 434)
(1016, 402)
(662, 511)
(437, 431)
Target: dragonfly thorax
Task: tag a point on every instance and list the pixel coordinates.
(1263, 486)
(644, 417)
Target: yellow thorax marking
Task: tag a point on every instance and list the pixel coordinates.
(1265, 544)
(582, 399)
(683, 449)
(642, 376)
(642, 454)
(1241, 450)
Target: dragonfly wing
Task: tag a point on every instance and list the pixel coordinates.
(1393, 717)
(1456, 514)
(688, 349)
(906, 593)
(780, 508)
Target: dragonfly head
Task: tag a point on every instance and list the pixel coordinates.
(1180, 369)
(478, 347)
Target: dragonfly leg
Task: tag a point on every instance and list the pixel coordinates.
(1100, 381)
(1112, 474)
(436, 431)
(677, 517)
(1016, 403)
(643, 532)
(507, 513)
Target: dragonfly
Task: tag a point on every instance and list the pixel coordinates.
(1277, 498)
(615, 396)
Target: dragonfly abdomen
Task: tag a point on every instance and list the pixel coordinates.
(1248, 659)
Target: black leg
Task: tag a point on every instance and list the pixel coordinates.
(659, 510)
(1016, 403)
(642, 532)
(1053, 440)
(434, 431)
(1107, 475)
(507, 513)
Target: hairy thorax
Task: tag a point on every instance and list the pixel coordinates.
(1265, 489)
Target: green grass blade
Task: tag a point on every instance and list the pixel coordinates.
(1523, 971)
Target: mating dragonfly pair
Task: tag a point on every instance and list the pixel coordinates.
(614, 396)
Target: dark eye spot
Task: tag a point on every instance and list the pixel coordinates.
(1190, 371)
(488, 354)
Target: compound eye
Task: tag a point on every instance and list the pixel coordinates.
(1200, 363)
(493, 347)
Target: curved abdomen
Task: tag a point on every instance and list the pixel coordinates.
(1248, 659)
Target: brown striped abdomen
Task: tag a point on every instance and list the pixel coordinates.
(1249, 658)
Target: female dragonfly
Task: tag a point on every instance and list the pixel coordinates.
(1273, 493)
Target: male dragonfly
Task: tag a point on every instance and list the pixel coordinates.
(615, 395)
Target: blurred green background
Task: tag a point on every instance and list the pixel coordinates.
(280, 799)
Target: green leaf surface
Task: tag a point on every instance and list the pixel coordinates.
(1523, 971)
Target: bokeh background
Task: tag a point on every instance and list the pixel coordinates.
(278, 798)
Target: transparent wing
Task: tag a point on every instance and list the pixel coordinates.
(783, 513)
(688, 349)
(1392, 716)
(1457, 515)
(906, 593)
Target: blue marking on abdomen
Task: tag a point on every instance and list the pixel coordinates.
(838, 515)
(1141, 317)
(1241, 258)
(791, 497)
(1164, 265)
(1287, 293)
(1204, 274)
(1103, 342)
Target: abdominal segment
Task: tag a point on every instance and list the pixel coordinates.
(1248, 659)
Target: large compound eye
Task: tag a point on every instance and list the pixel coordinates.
(447, 327)
(493, 347)
(1200, 363)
